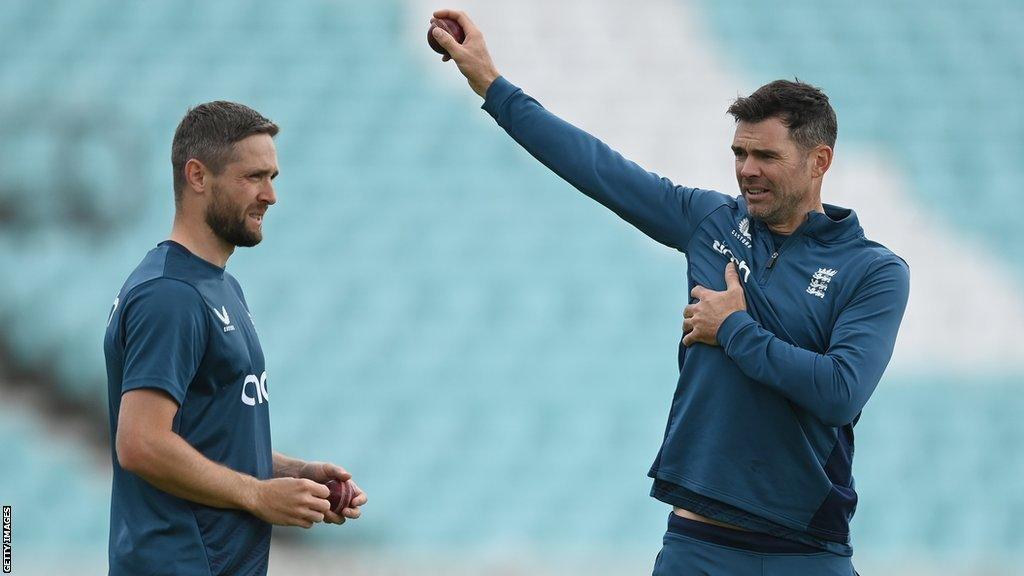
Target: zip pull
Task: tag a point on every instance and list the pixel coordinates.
(771, 261)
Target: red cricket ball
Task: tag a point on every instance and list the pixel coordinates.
(450, 26)
(341, 495)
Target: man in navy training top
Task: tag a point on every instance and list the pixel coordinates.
(792, 320)
(196, 484)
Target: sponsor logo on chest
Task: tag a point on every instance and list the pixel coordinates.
(222, 315)
(258, 386)
(743, 232)
(741, 265)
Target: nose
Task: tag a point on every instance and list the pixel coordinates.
(750, 168)
(267, 193)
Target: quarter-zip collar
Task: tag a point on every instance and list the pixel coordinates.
(835, 225)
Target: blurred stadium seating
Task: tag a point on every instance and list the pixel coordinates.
(59, 494)
(488, 352)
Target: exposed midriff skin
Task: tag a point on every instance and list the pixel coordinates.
(684, 513)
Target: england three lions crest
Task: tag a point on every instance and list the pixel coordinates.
(820, 281)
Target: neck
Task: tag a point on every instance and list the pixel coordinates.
(791, 224)
(201, 241)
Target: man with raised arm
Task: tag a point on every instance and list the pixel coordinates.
(792, 320)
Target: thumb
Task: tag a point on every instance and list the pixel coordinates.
(732, 277)
(445, 40)
(338, 473)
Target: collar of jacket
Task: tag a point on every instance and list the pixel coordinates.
(836, 225)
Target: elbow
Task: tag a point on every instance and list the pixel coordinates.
(840, 398)
(838, 414)
(840, 407)
(132, 453)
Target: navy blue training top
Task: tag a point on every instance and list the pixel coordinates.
(181, 325)
(760, 432)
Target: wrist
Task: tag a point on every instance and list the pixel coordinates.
(287, 467)
(731, 325)
(483, 83)
(249, 494)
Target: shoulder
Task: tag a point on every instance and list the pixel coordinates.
(709, 199)
(165, 298)
(881, 258)
(232, 281)
(883, 272)
(160, 263)
(702, 205)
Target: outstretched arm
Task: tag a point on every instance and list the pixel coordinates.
(665, 212)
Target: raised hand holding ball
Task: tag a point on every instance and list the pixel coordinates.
(448, 25)
(465, 45)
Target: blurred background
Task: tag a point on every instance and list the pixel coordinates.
(489, 352)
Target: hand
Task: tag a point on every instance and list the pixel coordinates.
(290, 501)
(702, 320)
(472, 57)
(324, 471)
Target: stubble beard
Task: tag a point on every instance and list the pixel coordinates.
(783, 210)
(228, 222)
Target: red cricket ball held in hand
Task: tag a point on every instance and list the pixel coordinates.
(341, 495)
(450, 26)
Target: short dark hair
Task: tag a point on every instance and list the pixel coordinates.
(208, 133)
(803, 108)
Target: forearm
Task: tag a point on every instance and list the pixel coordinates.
(286, 466)
(168, 462)
(645, 200)
(812, 381)
(836, 384)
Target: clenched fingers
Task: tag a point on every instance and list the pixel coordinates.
(459, 16)
(687, 326)
(699, 292)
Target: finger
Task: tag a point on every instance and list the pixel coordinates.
(314, 517)
(461, 17)
(352, 513)
(687, 327)
(320, 505)
(732, 277)
(338, 473)
(689, 339)
(317, 489)
(688, 311)
(699, 292)
(360, 497)
(446, 41)
(333, 518)
(445, 58)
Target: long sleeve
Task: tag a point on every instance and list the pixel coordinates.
(667, 213)
(836, 385)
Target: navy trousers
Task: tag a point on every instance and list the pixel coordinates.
(694, 548)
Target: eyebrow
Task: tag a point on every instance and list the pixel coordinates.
(264, 172)
(763, 152)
